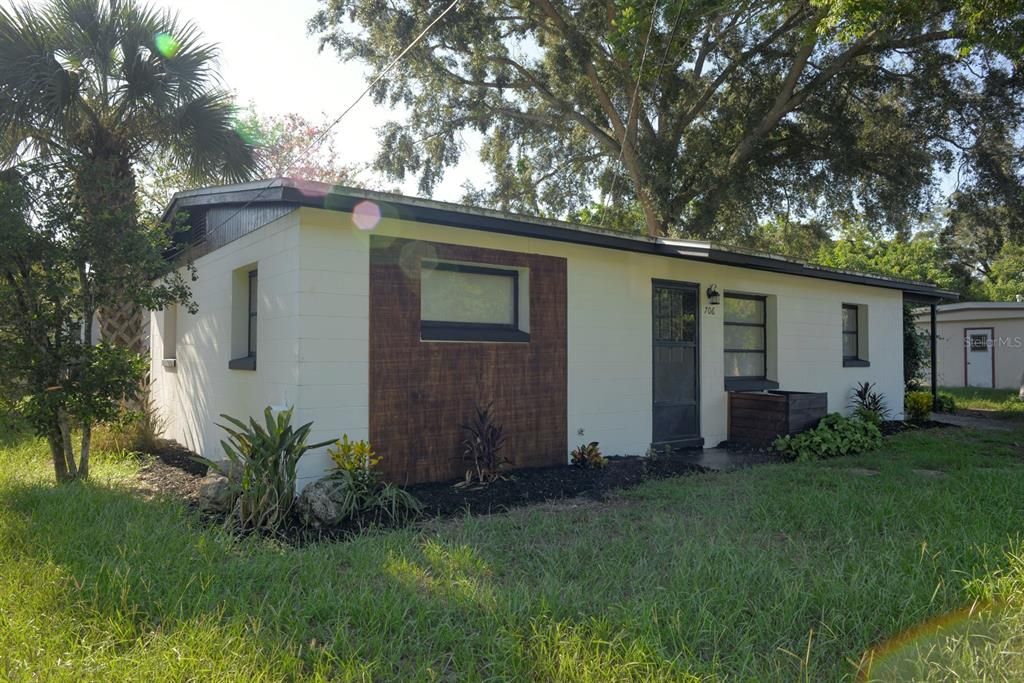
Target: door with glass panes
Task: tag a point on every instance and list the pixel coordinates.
(675, 353)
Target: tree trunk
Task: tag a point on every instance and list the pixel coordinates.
(83, 460)
(67, 444)
(60, 463)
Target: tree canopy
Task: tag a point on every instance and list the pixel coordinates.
(706, 117)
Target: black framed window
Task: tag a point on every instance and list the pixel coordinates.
(746, 339)
(251, 293)
(253, 311)
(460, 302)
(851, 336)
(851, 332)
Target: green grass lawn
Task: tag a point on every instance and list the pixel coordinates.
(1003, 403)
(783, 572)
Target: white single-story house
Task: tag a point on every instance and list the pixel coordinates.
(978, 343)
(389, 318)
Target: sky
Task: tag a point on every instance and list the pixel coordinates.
(268, 60)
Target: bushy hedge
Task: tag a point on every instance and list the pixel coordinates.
(835, 435)
(917, 406)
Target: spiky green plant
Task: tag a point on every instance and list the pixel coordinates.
(267, 457)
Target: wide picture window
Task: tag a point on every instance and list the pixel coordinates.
(469, 303)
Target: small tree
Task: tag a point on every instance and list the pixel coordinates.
(60, 264)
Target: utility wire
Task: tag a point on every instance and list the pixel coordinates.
(319, 138)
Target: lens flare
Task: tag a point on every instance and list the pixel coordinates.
(166, 44)
(366, 215)
(897, 658)
(412, 256)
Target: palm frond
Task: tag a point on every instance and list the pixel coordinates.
(205, 141)
(36, 90)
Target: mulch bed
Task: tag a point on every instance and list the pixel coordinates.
(527, 486)
(172, 471)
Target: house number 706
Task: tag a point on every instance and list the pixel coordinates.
(710, 310)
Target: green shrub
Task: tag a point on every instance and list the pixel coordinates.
(868, 404)
(266, 456)
(917, 406)
(835, 435)
(482, 440)
(588, 455)
(946, 403)
(359, 489)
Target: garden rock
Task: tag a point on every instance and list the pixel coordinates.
(318, 504)
(216, 494)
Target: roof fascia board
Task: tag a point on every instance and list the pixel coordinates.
(411, 210)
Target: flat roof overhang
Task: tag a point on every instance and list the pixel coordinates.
(344, 199)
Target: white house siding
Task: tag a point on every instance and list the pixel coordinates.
(1008, 350)
(194, 393)
(609, 330)
(609, 333)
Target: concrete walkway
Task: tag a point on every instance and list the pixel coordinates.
(976, 419)
(721, 460)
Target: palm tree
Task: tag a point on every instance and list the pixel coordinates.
(97, 87)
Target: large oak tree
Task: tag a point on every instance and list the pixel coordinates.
(701, 116)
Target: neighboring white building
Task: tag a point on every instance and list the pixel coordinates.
(388, 318)
(978, 343)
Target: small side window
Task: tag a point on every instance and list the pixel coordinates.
(170, 335)
(244, 316)
(855, 342)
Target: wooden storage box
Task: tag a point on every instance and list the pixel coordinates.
(757, 418)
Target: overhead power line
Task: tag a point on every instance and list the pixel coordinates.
(319, 137)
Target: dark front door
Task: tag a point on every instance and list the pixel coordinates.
(676, 409)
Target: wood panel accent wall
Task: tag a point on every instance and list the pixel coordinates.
(422, 391)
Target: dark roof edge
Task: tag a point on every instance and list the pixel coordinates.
(339, 198)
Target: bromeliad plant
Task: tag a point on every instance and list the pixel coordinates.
(358, 489)
(482, 439)
(266, 458)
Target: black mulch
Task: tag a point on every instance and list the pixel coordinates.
(523, 487)
(171, 470)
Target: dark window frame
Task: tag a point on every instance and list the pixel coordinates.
(248, 361)
(449, 330)
(854, 361)
(746, 379)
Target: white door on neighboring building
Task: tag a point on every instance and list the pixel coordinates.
(978, 348)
